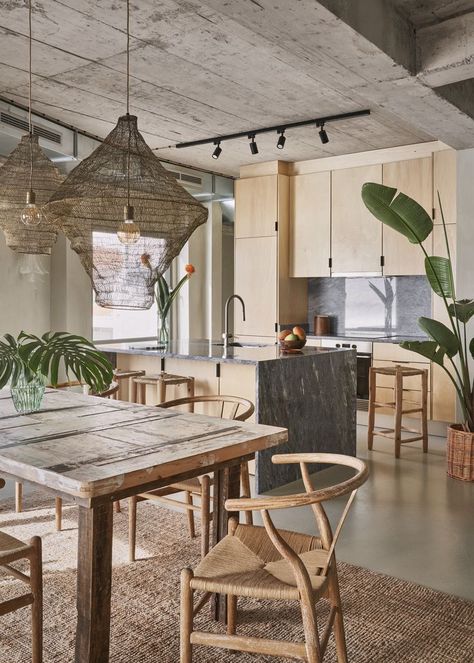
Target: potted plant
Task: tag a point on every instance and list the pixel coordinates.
(29, 362)
(448, 345)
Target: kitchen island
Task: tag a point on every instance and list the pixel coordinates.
(312, 392)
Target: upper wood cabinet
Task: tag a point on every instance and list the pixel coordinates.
(255, 276)
(356, 234)
(444, 183)
(256, 206)
(262, 261)
(310, 224)
(415, 179)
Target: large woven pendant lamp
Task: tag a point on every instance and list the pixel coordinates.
(125, 215)
(27, 181)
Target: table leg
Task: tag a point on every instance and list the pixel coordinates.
(94, 581)
(226, 486)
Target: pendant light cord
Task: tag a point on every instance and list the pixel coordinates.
(128, 101)
(30, 121)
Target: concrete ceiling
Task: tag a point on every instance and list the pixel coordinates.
(427, 12)
(206, 67)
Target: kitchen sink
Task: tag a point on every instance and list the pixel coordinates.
(235, 344)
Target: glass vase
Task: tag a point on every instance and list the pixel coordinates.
(163, 330)
(28, 396)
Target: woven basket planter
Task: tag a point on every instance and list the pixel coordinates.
(460, 453)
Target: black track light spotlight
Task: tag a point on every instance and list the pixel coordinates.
(281, 140)
(253, 144)
(217, 152)
(323, 135)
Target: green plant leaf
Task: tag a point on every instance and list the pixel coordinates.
(471, 347)
(403, 214)
(440, 275)
(463, 309)
(429, 349)
(445, 338)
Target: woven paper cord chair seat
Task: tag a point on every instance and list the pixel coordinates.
(247, 564)
(88, 208)
(14, 183)
(9, 544)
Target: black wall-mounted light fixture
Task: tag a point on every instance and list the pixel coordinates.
(282, 139)
(320, 122)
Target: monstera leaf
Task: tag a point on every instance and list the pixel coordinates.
(402, 213)
(31, 355)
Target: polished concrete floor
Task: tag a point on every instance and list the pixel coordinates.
(409, 520)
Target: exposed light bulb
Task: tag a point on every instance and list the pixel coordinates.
(128, 232)
(31, 214)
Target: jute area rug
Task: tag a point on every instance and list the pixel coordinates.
(386, 619)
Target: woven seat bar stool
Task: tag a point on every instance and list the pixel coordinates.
(11, 551)
(400, 406)
(124, 376)
(228, 407)
(270, 564)
(110, 392)
(161, 381)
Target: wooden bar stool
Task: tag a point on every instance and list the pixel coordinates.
(161, 381)
(399, 373)
(126, 376)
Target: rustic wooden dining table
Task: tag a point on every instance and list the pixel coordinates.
(97, 451)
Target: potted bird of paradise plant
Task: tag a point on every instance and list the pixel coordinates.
(29, 362)
(448, 345)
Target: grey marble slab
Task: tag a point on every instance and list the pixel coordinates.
(207, 350)
(316, 401)
(374, 339)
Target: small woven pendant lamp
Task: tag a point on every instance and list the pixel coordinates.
(125, 215)
(27, 181)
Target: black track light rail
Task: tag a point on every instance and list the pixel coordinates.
(318, 121)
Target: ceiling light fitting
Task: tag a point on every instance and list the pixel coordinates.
(323, 135)
(122, 178)
(281, 129)
(27, 181)
(217, 152)
(281, 140)
(253, 145)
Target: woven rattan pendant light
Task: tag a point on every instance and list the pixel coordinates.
(27, 181)
(125, 215)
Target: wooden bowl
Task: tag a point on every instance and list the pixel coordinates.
(292, 345)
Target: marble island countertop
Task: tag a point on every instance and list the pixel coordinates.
(213, 350)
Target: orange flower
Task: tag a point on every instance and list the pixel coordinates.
(145, 258)
(190, 269)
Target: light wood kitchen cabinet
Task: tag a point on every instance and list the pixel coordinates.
(310, 224)
(415, 179)
(255, 278)
(262, 263)
(257, 200)
(356, 234)
(444, 182)
(238, 379)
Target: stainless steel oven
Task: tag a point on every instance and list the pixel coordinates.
(364, 362)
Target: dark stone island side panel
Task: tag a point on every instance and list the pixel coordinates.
(315, 398)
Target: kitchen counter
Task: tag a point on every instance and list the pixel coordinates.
(312, 393)
(208, 350)
(370, 339)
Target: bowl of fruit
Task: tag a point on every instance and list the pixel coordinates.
(292, 340)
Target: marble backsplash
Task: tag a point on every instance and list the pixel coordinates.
(389, 305)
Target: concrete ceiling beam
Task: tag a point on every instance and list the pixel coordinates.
(446, 51)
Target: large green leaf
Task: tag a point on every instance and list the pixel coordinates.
(445, 338)
(440, 275)
(471, 347)
(463, 309)
(403, 214)
(429, 349)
